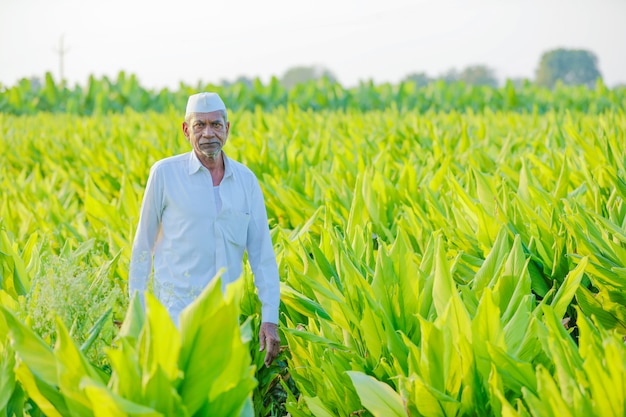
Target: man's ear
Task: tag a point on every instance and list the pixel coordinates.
(185, 128)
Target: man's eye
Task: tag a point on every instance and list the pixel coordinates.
(217, 125)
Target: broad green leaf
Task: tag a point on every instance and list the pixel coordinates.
(45, 395)
(301, 303)
(590, 305)
(493, 262)
(7, 375)
(159, 393)
(550, 402)
(73, 368)
(486, 328)
(315, 339)
(376, 396)
(126, 378)
(515, 374)
(134, 319)
(443, 287)
(31, 349)
(316, 405)
(213, 357)
(108, 404)
(8, 301)
(161, 341)
(485, 191)
(566, 291)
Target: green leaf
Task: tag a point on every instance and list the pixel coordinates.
(159, 393)
(443, 288)
(126, 378)
(301, 303)
(314, 338)
(161, 342)
(590, 305)
(316, 405)
(567, 290)
(31, 349)
(95, 330)
(486, 328)
(108, 404)
(493, 262)
(134, 320)
(73, 368)
(7, 375)
(376, 396)
(213, 357)
(515, 373)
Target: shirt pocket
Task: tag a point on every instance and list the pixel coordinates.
(234, 226)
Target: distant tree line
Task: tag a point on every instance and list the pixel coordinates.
(569, 72)
(125, 93)
(568, 66)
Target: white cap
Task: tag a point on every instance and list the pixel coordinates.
(204, 103)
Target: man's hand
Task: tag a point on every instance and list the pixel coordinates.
(268, 337)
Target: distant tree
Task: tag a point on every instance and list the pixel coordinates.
(571, 66)
(247, 81)
(35, 83)
(449, 76)
(419, 78)
(302, 74)
(242, 79)
(479, 75)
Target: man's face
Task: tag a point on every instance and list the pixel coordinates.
(207, 133)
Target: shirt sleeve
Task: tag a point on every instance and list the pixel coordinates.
(146, 236)
(262, 258)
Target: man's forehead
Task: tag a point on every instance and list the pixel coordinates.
(213, 116)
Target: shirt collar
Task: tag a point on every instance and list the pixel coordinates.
(195, 164)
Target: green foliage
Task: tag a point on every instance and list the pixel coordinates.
(80, 296)
(156, 370)
(452, 262)
(472, 90)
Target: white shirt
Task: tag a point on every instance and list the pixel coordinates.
(190, 239)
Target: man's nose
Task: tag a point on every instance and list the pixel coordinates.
(207, 131)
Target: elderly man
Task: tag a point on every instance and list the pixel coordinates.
(200, 211)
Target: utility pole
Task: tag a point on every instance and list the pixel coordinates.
(62, 51)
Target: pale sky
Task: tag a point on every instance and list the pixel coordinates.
(165, 42)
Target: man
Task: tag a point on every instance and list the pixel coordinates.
(200, 211)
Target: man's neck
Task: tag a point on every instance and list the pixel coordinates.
(215, 166)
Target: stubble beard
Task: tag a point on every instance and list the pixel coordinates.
(212, 155)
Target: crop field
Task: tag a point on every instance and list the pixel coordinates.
(443, 251)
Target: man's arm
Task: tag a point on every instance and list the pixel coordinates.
(263, 264)
(145, 236)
